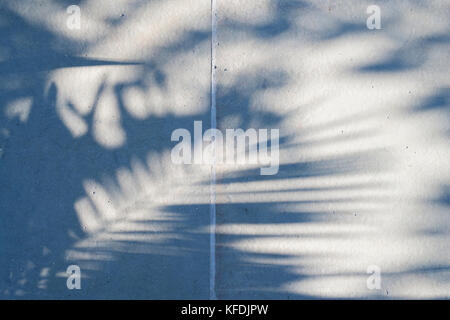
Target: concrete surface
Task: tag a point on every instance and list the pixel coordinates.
(87, 179)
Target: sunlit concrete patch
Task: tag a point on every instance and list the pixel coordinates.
(19, 108)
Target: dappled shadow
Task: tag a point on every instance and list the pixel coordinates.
(88, 180)
(52, 180)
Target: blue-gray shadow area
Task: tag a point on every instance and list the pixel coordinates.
(43, 168)
(42, 171)
(444, 199)
(52, 61)
(438, 101)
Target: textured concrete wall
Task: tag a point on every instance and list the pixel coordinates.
(87, 177)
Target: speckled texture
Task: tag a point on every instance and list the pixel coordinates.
(87, 179)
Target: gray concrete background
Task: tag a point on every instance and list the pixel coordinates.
(86, 175)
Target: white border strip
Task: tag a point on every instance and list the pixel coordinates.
(212, 233)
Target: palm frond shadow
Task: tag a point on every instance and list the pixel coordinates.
(138, 225)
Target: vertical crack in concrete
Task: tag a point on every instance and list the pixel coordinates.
(212, 270)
